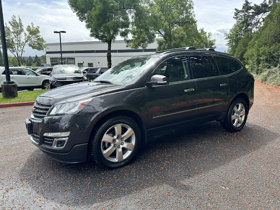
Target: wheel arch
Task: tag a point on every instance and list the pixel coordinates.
(127, 113)
(243, 96)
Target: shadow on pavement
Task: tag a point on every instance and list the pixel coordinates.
(167, 160)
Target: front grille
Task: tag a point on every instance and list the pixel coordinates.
(48, 141)
(77, 79)
(40, 110)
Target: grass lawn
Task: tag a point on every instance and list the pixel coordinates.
(23, 96)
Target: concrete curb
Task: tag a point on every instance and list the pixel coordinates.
(16, 104)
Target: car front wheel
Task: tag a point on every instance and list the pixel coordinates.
(236, 116)
(116, 142)
(46, 85)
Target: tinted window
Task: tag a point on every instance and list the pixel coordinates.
(227, 65)
(203, 66)
(175, 69)
(92, 70)
(103, 70)
(16, 72)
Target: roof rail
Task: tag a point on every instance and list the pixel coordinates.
(190, 48)
(209, 49)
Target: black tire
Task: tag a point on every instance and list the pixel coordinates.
(116, 142)
(236, 116)
(46, 85)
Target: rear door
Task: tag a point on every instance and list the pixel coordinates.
(17, 75)
(212, 87)
(31, 78)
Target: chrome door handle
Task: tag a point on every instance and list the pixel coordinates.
(223, 85)
(189, 90)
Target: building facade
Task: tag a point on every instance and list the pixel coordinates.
(92, 53)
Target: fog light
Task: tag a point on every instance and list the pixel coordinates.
(59, 142)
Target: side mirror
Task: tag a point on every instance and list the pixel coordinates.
(158, 80)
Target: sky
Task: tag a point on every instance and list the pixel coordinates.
(215, 16)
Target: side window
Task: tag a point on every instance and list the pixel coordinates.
(203, 66)
(227, 65)
(17, 72)
(29, 72)
(175, 69)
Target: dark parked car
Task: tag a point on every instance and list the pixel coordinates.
(44, 70)
(109, 119)
(93, 73)
(65, 74)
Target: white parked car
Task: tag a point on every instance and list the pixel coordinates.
(25, 78)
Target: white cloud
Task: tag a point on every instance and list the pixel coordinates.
(217, 17)
(212, 15)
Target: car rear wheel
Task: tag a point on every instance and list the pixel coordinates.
(116, 142)
(236, 116)
(46, 85)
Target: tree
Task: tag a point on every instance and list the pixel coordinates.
(18, 38)
(1, 58)
(172, 21)
(37, 61)
(29, 61)
(106, 19)
(264, 49)
(248, 20)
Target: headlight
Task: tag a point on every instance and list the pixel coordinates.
(67, 108)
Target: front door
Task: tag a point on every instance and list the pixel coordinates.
(173, 102)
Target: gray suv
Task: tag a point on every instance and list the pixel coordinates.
(110, 118)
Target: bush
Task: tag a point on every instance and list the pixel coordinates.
(270, 76)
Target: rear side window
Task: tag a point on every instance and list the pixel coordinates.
(92, 70)
(227, 65)
(203, 66)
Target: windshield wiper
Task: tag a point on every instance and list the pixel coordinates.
(104, 81)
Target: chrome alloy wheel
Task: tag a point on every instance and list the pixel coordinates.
(238, 115)
(118, 142)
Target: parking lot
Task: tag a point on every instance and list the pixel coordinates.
(200, 167)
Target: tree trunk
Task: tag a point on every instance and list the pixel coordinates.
(109, 56)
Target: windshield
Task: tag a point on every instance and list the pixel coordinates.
(66, 70)
(125, 72)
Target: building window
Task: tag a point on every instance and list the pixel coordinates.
(90, 64)
(56, 61)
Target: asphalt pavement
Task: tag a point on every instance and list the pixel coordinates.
(204, 167)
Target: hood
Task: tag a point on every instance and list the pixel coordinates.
(60, 76)
(75, 92)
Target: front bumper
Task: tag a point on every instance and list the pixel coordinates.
(68, 145)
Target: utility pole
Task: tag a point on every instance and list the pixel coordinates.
(59, 32)
(9, 88)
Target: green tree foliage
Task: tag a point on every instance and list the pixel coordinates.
(29, 61)
(248, 20)
(18, 38)
(106, 19)
(37, 61)
(12, 61)
(264, 49)
(172, 21)
(1, 58)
